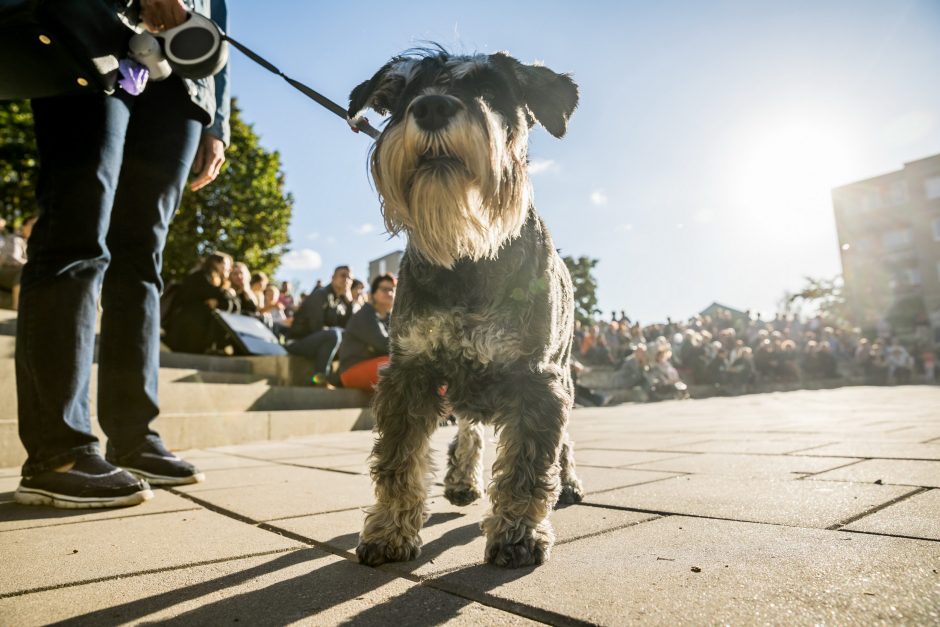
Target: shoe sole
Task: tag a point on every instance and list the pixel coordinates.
(33, 496)
(165, 480)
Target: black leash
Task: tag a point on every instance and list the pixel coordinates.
(357, 124)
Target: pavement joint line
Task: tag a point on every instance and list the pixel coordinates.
(663, 514)
(86, 512)
(633, 485)
(332, 511)
(516, 608)
(898, 485)
(931, 440)
(820, 472)
(877, 508)
(889, 535)
(606, 531)
(808, 448)
(276, 462)
(141, 573)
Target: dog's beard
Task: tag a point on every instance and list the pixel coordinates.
(458, 194)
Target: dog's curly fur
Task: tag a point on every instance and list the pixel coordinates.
(484, 304)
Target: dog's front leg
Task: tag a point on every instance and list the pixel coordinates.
(526, 481)
(407, 407)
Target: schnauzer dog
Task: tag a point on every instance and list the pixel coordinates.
(483, 319)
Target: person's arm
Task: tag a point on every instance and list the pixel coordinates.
(365, 326)
(215, 139)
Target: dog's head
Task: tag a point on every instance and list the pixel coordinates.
(450, 166)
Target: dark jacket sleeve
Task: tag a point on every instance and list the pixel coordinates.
(365, 326)
(309, 318)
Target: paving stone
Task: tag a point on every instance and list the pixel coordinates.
(298, 587)
(279, 491)
(110, 547)
(8, 486)
(765, 446)
(885, 450)
(615, 459)
(329, 461)
(917, 517)
(452, 537)
(601, 479)
(892, 471)
(798, 503)
(748, 574)
(15, 516)
(749, 466)
(210, 460)
(278, 450)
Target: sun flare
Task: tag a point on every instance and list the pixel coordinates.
(790, 166)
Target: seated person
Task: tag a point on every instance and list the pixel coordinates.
(241, 278)
(190, 327)
(365, 345)
(318, 325)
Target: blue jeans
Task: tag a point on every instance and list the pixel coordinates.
(112, 170)
(320, 346)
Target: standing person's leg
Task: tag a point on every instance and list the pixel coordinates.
(80, 141)
(161, 143)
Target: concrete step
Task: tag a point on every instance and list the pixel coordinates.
(184, 391)
(185, 431)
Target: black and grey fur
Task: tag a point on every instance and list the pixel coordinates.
(484, 304)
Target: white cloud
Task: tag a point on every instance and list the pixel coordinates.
(312, 237)
(598, 197)
(364, 229)
(624, 227)
(303, 259)
(537, 166)
(705, 216)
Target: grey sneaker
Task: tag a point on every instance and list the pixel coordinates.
(90, 483)
(159, 466)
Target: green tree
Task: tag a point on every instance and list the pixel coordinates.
(585, 287)
(244, 212)
(18, 162)
(822, 295)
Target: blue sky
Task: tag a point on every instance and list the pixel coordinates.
(698, 164)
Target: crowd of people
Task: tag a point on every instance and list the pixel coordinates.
(335, 324)
(733, 352)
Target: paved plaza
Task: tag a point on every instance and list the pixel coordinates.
(811, 507)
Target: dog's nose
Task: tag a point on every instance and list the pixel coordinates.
(433, 112)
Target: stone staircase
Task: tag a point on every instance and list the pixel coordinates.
(212, 401)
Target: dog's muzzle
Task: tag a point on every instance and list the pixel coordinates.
(434, 112)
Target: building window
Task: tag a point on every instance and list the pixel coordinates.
(936, 229)
(932, 187)
(897, 193)
(913, 276)
(898, 238)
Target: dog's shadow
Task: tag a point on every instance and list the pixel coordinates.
(307, 583)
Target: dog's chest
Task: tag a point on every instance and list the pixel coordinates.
(482, 337)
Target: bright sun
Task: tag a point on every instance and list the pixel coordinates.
(791, 166)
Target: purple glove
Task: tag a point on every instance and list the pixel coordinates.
(133, 76)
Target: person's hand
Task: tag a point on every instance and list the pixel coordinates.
(209, 159)
(212, 303)
(159, 15)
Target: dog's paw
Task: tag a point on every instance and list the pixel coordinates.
(377, 553)
(463, 495)
(570, 494)
(535, 548)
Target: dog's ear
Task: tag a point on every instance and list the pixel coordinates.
(379, 93)
(551, 97)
